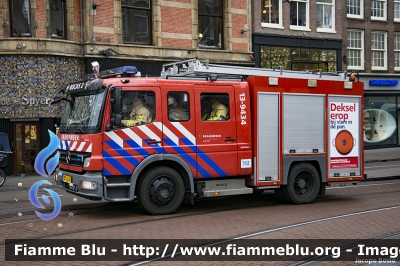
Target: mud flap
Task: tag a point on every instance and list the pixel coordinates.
(188, 197)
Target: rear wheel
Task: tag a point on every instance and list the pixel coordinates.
(2, 177)
(303, 184)
(160, 190)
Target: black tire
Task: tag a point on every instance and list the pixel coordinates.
(2, 177)
(160, 191)
(282, 195)
(303, 184)
(322, 189)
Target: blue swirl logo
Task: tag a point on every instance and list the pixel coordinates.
(40, 161)
(44, 169)
(35, 201)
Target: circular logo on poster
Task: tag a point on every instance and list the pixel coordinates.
(344, 142)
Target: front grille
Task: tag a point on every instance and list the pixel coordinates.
(76, 158)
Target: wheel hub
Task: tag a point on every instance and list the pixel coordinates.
(162, 191)
(301, 183)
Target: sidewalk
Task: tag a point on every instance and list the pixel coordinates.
(379, 155)
(371, 157)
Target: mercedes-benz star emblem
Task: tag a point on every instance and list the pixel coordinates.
(68, 157)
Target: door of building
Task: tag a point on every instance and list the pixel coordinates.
(25, 146)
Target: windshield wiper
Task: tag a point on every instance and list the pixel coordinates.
(63, 129)
(80, 129)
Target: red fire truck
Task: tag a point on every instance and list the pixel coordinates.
(208, 130)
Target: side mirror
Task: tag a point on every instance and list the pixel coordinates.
(116, 100)
(118, 119)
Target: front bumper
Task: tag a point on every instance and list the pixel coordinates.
(75, 187)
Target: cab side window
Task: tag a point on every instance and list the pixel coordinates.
(214, 106)
(138, 108)
(178, 106)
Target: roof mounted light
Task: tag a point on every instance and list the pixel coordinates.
(125, 71)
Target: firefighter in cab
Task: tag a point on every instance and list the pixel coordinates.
(176, 110)
(219, 111)
(140, 114)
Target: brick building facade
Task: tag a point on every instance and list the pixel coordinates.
(49, 43)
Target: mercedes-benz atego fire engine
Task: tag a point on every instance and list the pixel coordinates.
(203, 130)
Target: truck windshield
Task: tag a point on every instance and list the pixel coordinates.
(83, 111)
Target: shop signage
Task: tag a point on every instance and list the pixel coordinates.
(26, 101)
(383, 82)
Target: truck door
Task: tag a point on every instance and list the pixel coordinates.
(216, 131)
(139, 135)
(179, 123)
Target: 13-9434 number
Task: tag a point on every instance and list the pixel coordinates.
(242, 98)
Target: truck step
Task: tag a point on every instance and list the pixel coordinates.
(119, 199)
(226, 187)
(228, 192)
(118, 184)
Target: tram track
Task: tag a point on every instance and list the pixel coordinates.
(119, 207)
(115, 207)
(290, 226)
(315, 259)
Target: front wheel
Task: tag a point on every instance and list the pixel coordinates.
(160, 191)
(303, 184)
(2, 177)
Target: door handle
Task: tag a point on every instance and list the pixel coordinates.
(229, 139)
(153, 141)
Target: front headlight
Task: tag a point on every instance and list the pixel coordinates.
(88, 185)
(57, 175)
(86, 162)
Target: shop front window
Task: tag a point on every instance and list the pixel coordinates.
(299, 59)
(381, 119)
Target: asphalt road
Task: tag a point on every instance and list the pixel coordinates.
(352, 212)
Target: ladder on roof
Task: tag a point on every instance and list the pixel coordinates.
(196, 67)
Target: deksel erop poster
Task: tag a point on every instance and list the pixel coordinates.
(344, 134)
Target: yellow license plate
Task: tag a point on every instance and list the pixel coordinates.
(67, 179)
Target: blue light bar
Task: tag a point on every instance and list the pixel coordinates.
(123, 71)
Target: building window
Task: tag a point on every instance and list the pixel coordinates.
(355, 8)
(57, 18)
(381, 120)
(271, 15)
(355, 49)
(299, 14)
(20, 15)
(325, 15)
(378, 49)
(396, 10)
(210, 23)
(136, 21)
(378, 9)
(397, 51)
